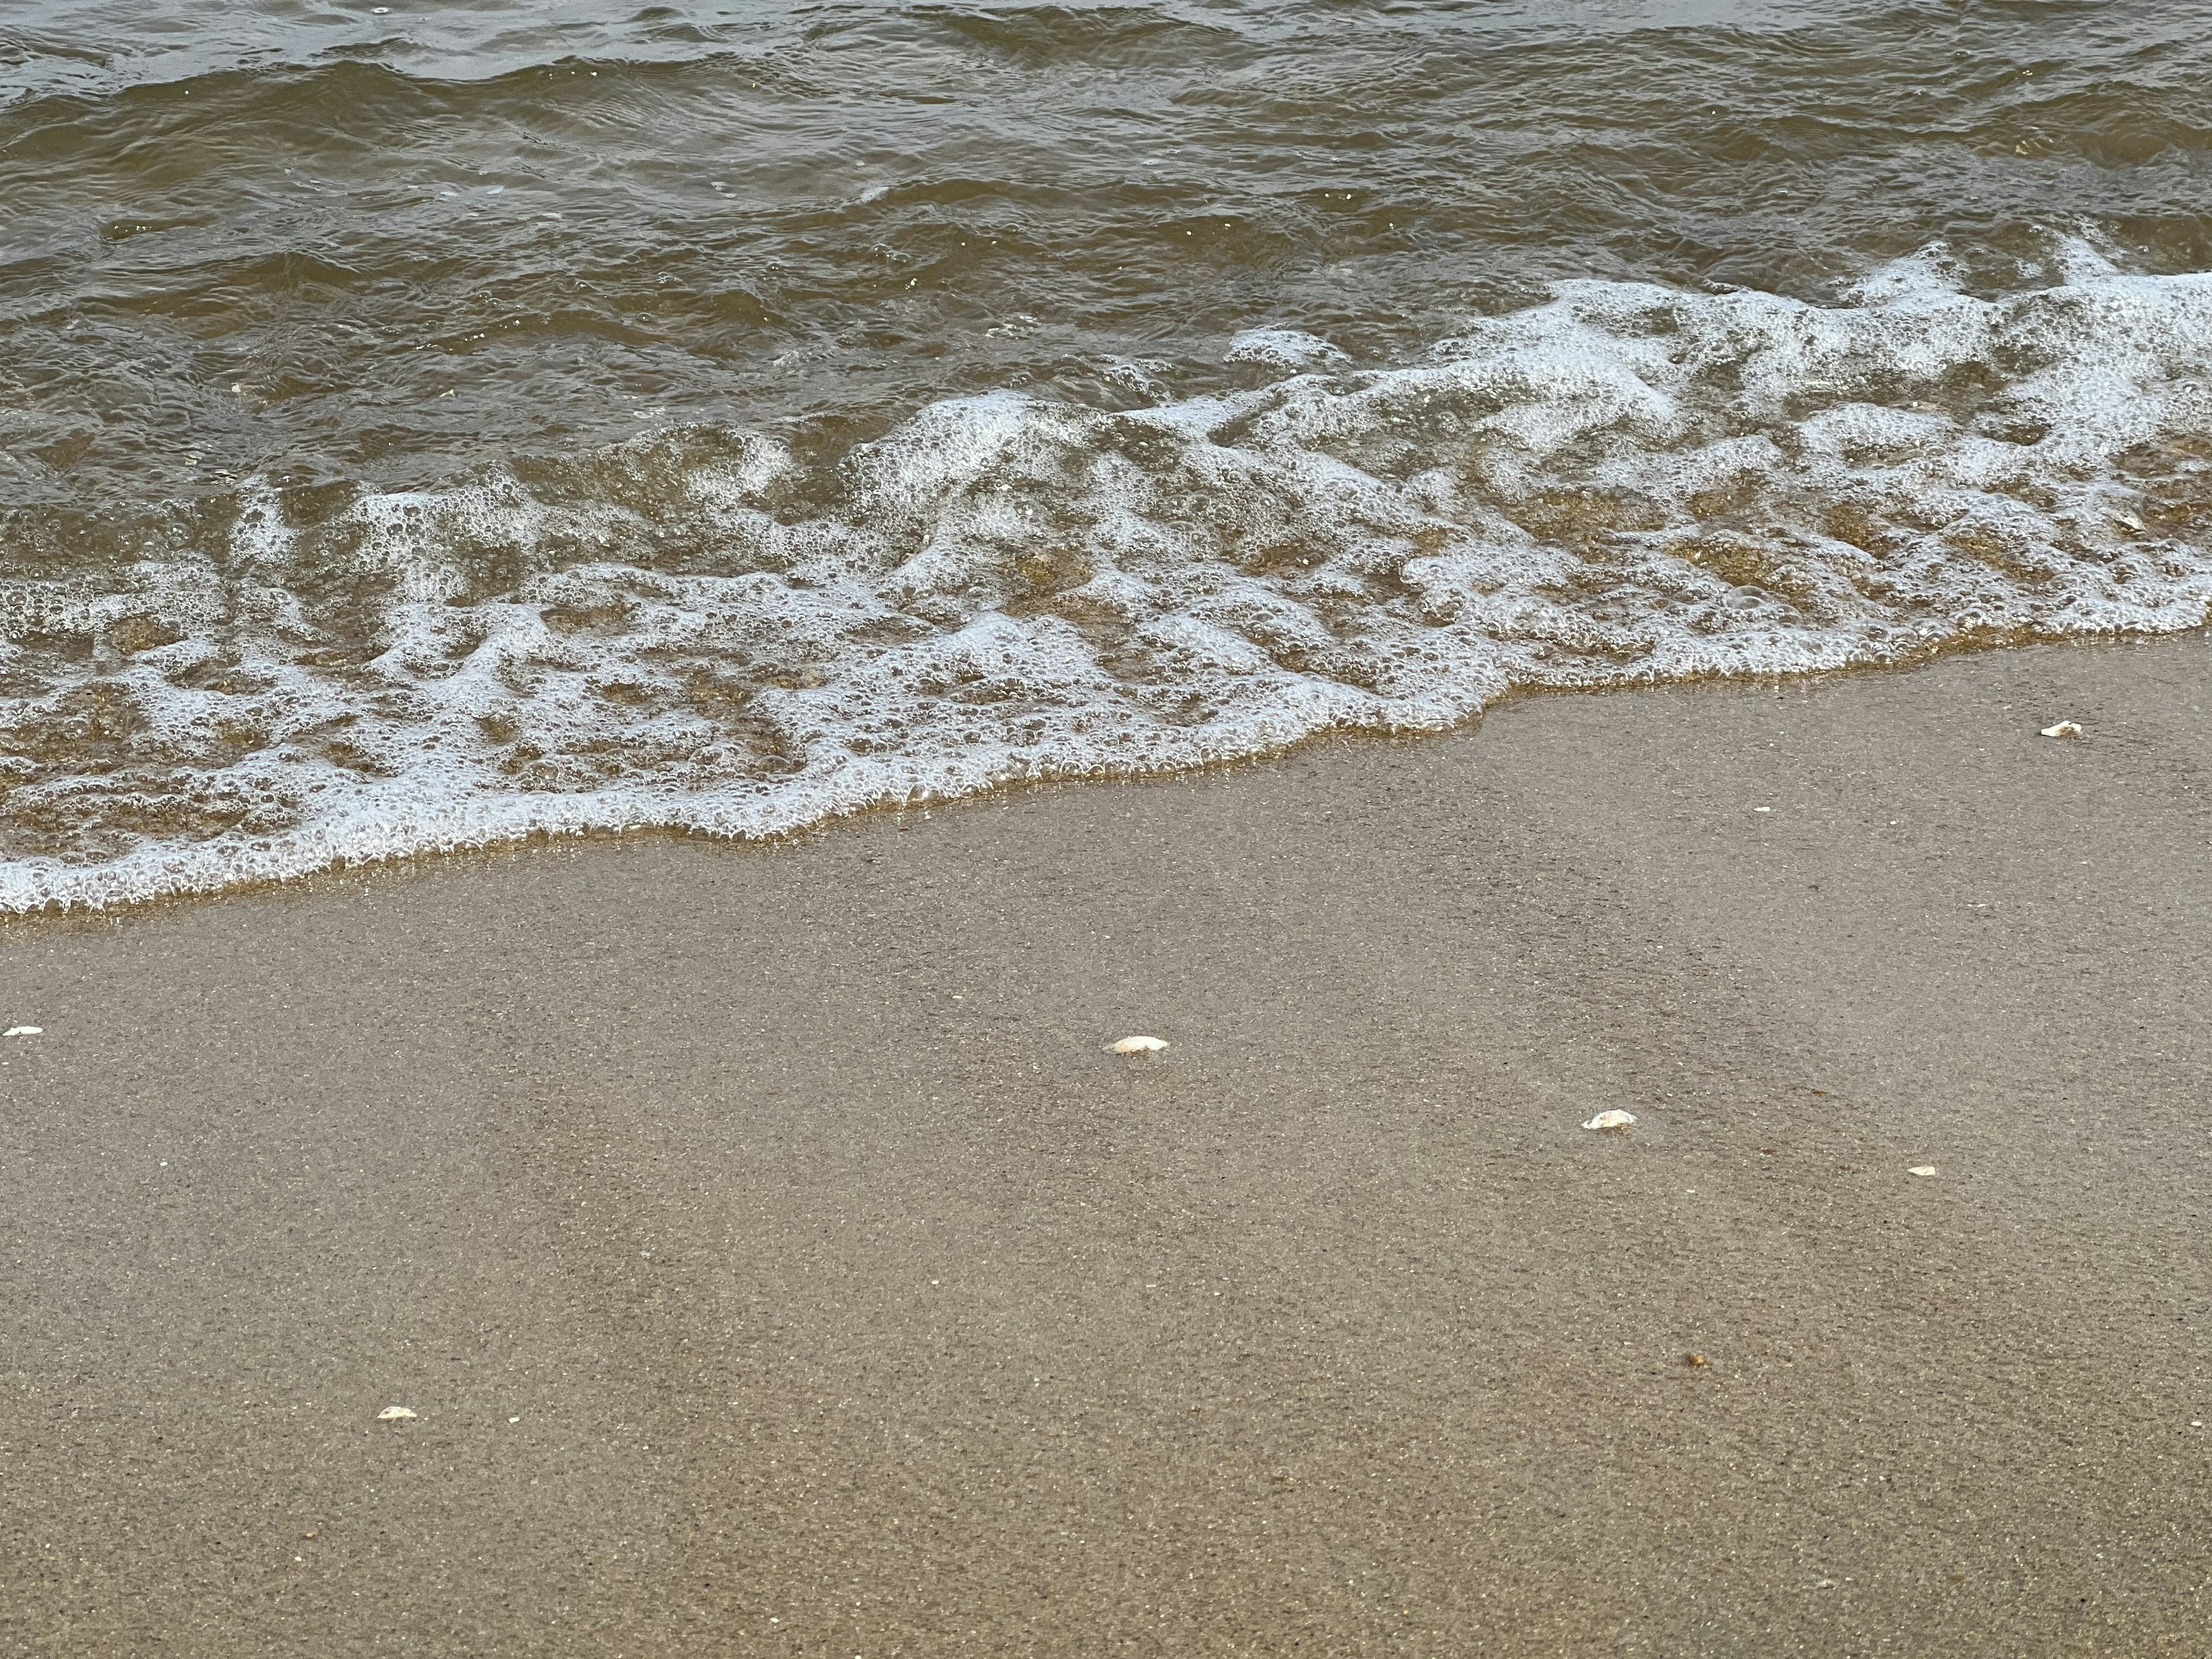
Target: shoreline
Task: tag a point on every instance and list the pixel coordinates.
(425, 861)
(850, 1299)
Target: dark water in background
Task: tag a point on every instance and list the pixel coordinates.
(426, 425)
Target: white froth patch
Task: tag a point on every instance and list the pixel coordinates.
(1282, 348)
(1624, 485)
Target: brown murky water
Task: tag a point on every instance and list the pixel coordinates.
(425, 424)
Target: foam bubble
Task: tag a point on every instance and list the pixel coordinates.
(1626, 484)
(1282, 348)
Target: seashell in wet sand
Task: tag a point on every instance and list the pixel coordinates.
(1615, 1119)
(23, 1030)
(1922, 1169)
(1138, 1045)
(2063, 729)
(395, 1415)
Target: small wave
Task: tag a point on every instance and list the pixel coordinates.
(1627, 484)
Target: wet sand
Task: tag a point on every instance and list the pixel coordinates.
(777, 1265)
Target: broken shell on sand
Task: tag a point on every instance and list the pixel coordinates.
(1612, 1120)
(2063, 729)
(1138, 1045)
(395, 1415)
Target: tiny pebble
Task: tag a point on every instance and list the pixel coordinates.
(2063, 729)
(395, 1415)
(513, 1420)
(1695, 1361)
(1138, 1045)
(1922, 1169)
(1615, 1119)
(23, 1030)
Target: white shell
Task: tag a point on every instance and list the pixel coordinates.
(1138, 1045)
(395, 1415)
(23, 1030)
(1922, 1169)
(2063, 729)
(1615, 1119)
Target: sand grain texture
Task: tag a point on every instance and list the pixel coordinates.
(852, 1300)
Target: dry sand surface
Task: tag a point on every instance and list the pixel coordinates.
(777, 1264)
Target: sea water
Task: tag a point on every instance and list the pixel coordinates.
(430, 425)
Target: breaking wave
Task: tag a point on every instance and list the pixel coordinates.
(700, 630)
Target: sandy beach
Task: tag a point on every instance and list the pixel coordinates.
(776, 1263)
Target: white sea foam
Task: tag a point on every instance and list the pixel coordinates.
(1283, 347)
(1624, 485)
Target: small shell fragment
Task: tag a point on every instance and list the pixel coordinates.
(1922, 1169)
(395, 1415)
(1138, 1045)
(23, 1030)
(1615, 1119)
(2063, 729)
